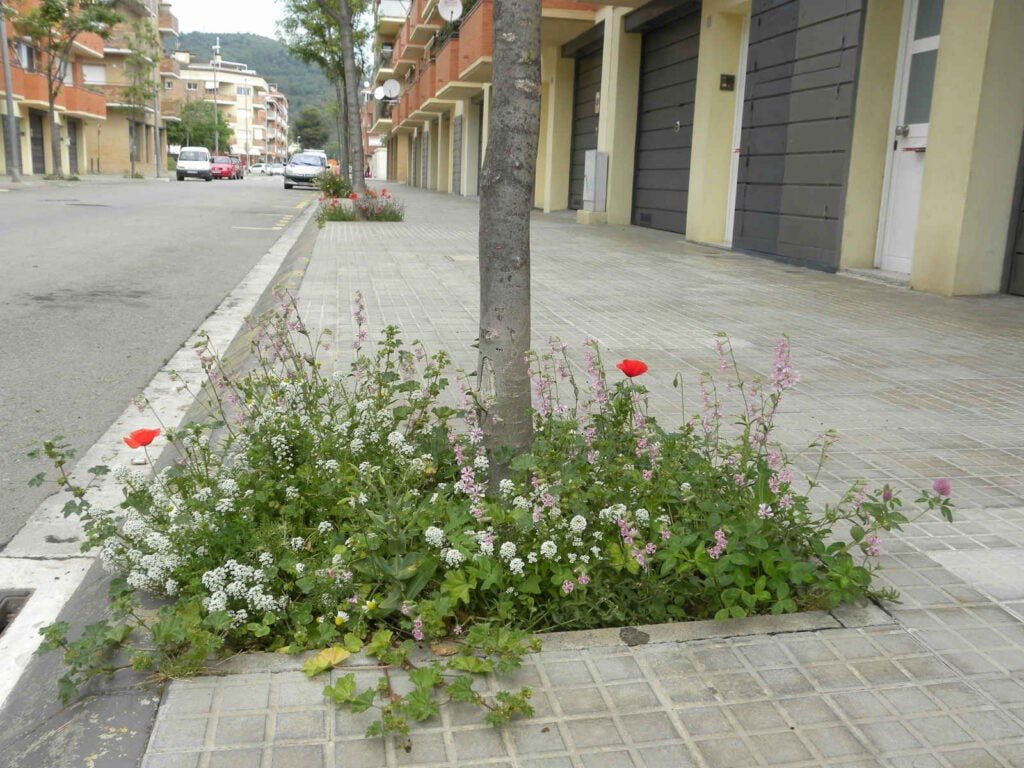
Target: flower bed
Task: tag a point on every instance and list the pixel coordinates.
(353, 509)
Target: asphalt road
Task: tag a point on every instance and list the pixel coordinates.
(100, 283)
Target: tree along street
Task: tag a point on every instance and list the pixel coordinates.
(102, 282)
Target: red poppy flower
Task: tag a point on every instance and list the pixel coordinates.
(632, 367)
(384, 191)
(353, 196)
(141, 437)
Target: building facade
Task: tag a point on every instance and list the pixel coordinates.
(256, 111)
(79, 106)
(876, 135)
(132, 136)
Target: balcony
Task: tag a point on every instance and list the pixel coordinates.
(170, 66)
(89, 46)
(79, 102)
(476, 43)
(422, 30)
(380, 119)
(167, 21)
(390, 17)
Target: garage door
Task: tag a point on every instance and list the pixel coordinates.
(668, 84)
(584, 121)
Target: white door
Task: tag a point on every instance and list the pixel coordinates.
(915, 79)
(737, 130)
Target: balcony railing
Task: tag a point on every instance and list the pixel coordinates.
(447, 63)
(168, 20)
(476, 42)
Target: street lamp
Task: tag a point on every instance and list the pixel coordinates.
(10, 131)
(216, 109)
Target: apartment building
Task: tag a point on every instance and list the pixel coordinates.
(132, 132)
(277, 125)
(255, 110)
(883, 136)
(78, 105)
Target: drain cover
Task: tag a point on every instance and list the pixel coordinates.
(12, 601)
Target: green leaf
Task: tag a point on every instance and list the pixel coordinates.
(420, 704)
(530, 585)
(523, 463)
(343, 690)
(457, 586)
(461, 689)
(352, 643)
(856, 533)
(426, 677)
(363, 701)
(37, 480)
(472, 664)
(219, 621)
(379, 643)
(99, 470)
(258, 630)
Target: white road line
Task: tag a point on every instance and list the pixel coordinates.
(45, 554)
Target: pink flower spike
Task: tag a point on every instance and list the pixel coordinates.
(943, 486)
(568, 586)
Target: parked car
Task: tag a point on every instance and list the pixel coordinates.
(304, 168)
(239, 168)
(194, 162)
(275, 169)
(221, 167)
(259, 169)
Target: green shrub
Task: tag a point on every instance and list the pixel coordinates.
(332, 209)
(318, 510)
(333, 185)
(379, 206)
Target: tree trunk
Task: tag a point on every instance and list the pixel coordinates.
(506, 200)
(57, 166)
(341, 12)
(342, 132)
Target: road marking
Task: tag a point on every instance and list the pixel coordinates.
(45, 554)
(259, 229)
(302, 203)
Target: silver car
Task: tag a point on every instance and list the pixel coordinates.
(304, 168)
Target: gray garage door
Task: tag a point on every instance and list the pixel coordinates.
(584, 121)
(73, 146)
(1015, 253)
(35, 128)
(668, 83)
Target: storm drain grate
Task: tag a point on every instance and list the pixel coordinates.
(11, 602)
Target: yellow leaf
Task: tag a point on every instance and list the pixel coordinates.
(327, 658)
(444, 648)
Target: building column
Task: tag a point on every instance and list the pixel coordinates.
(871, 142)
(402, 158)
(435, 151)
(714, 117)
(554, 153)
(444, 153)
(616, 124)
(974, 139)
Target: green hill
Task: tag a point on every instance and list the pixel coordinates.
(302, 84)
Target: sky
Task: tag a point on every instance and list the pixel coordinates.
(258, 16)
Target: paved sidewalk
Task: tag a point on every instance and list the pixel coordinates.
(918, 386)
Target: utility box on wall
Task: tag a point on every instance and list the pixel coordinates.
(595, 180)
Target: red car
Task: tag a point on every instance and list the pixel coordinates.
(221, 167)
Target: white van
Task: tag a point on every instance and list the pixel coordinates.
(194, 161)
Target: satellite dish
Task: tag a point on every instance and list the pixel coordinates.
(391, 88)
(450, 10)
(378, 92)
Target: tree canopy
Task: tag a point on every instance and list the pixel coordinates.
(311, 129)
(196, 126)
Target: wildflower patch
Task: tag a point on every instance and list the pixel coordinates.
(356, 511)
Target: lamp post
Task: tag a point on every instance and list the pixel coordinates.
(10, 132)
(216, 110)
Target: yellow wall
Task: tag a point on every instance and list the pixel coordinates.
(871, 142)
(556, 130)
(444, 153)
(714, 114)
(402, 157)
(616, 125)
(977, 120)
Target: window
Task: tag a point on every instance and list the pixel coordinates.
(243, 90)
(26, 56)
(168, 85)
(94, 74)
(191, 86)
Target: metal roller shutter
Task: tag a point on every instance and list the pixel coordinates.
(584, 121)
(668, 84)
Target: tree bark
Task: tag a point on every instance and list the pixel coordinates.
(342, 15)
(57, 166)
(506, 200)
(342, 130)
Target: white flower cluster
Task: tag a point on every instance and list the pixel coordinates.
(244, 584)
(578, 524)
(516, 566)
(548, 549)
(325, 526)
(506, 487)
(434, 536)
(507, 551)
(452, 557)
